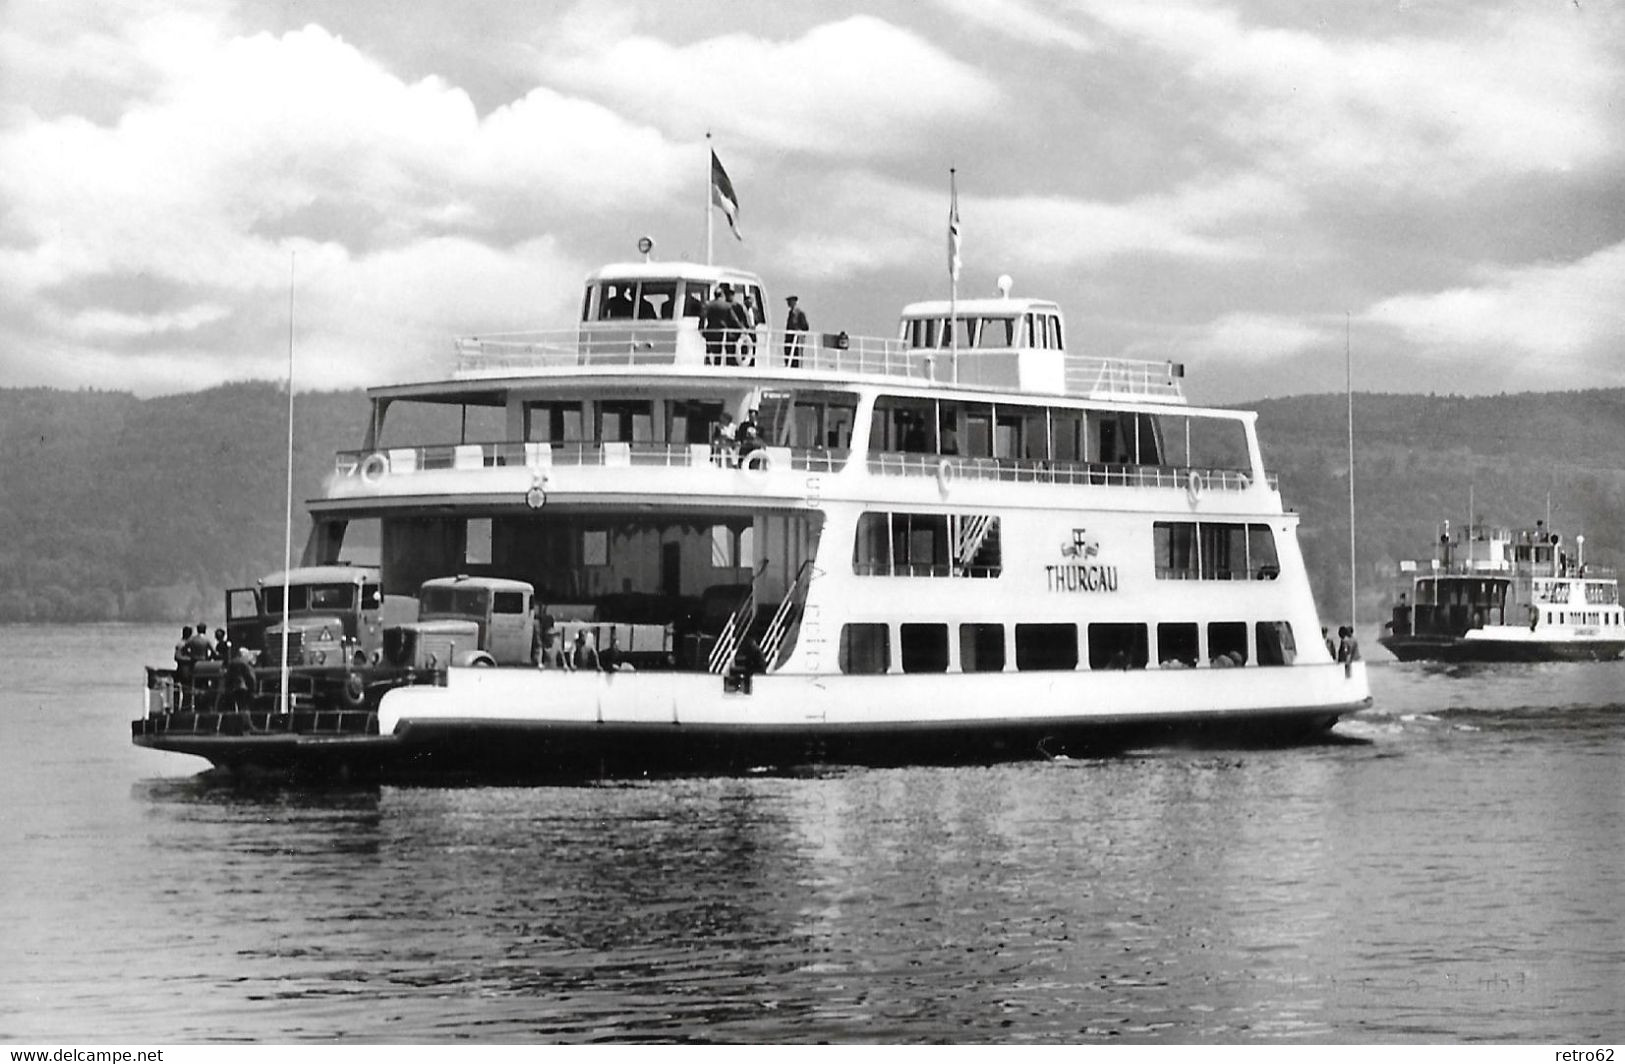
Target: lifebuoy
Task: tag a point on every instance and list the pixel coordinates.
(756, 461)
(373, 468)
(354, 691)
(945, 476)
(1193, 486)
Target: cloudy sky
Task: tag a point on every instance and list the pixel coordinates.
(1231, 184)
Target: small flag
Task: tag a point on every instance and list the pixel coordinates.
(953, 228)
(722, 194)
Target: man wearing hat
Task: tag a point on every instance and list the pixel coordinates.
(795, 332)
(716, 319)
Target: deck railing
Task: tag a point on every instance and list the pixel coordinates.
(513, 354)
(475, 456)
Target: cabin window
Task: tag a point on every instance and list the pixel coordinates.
(903, 544)
(1275, 643)
(1118, 645)
(691, 421)
(824, 422)
(477, 541)
(554, 422)
(904, 425)
(732, 549)
(508, 602)
(1035, 436)
(1042, 647)
(657, 300)
(865, 649)
(1177, 645)
(996, 332)
(1216, 443)
(1066, 436)
(617, 300)
(625, 421)
(1262, 561)
(695, 293)
(923, 647)
(1214, 550)
(595, 547)
(981, 648)
(1227, 640)
(978, 441)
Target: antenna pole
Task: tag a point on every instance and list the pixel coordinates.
(287, 523)
(953, 276)
(709, 208)
(1348, 388)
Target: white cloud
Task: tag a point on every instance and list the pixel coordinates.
(1020, 20)
(1564, 322)
(860, 86)
(1526, 92)
(1244, 338)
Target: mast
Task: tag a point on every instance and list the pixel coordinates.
(710, 207)
(953, 274)
(287, 523)
(1348, 388)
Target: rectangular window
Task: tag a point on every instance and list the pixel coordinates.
(553, 422)
(923, 647)
(1262, 560)
(1176, 645)
(978, 441)
(508, 602)
(865, 649)
(1046, 647)
(595, 547)
(871, 550)
(1227, 643)
(1118, 645)
(1175, 546)
(477, 541)
(1066, 435)
(656, 300)
(981, 648)
(1275, 643)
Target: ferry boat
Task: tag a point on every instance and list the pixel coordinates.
(1497, 594)
(961, 543)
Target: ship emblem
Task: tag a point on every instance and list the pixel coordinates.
(1082, 545)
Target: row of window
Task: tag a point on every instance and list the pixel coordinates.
(866, 648)
(905, 544)
(1214, 550)
(814, 420)
(658, 300)
(1040, 329)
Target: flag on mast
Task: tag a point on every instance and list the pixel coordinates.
(953, 227)
(722, 194)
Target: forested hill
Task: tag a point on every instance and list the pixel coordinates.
(118, 508)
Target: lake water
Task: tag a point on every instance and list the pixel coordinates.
(1454, 877)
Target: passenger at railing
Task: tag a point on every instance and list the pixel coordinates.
(724, 440)
(183, 649)
(585, 655)
(1331, 647)
(795, 332)
(544, 629)
(742, 349)
(750, 437)
(222, 648)
(200, 647)
(716, 319)
(553, 655)
(1347, 649)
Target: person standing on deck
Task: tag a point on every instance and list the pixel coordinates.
(716, 318)
(795, 332)
(742, 348)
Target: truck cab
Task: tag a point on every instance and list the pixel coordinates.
(334, 614)
(467, 620)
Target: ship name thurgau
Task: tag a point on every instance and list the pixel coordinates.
(1081, 577)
